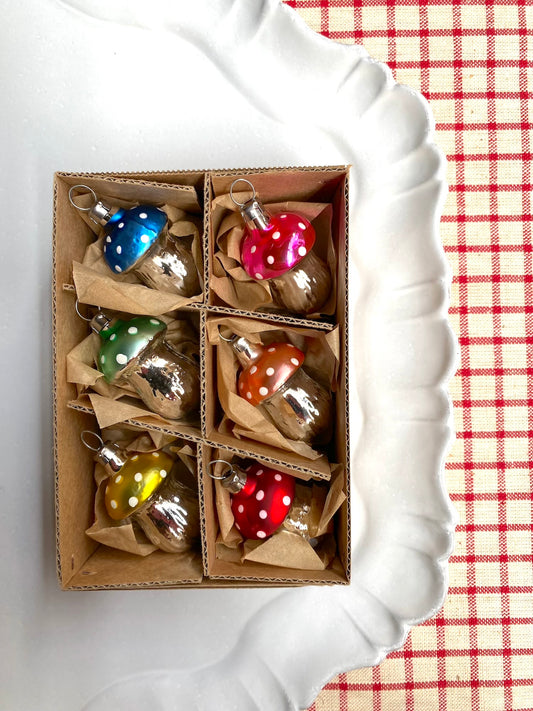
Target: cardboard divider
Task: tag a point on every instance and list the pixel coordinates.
(84, 564)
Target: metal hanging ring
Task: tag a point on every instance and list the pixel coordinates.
(236, 202)
(84, 318)
(224, 338)
(93, 434)
(231, 470)
(78, 207)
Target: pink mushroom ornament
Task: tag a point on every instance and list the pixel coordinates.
(279, 248)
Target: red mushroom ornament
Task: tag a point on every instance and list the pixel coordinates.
(261, 498)
(280, 248)
(272, 379)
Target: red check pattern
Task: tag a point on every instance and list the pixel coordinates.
(473, 60)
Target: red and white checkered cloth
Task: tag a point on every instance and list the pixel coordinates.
(473, 60)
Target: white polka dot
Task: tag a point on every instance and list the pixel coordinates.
(118, 479)
(119, 250)
(241, 386)
(135, 458)
(271, 350)
(258, 473)
(121, 225)
(301, 225)
(143, 215)
(113, 504)
(241, 509)
(263, 391)
(122, 358)
(260, 495)
(263, 513)
(145, 238)
(108, 239)
(237, 526)
(102, 359)
(253, 369)
(253, 250)
(105, 248)
(163, 473)
(302, 251)
(117, 268)
(290, 345)
(287, 500)
(133, 501)
(261, 534)
(270, 259)
(283, 216)
(155, 454)
(295, 361)
(112, 336)
(258, 276)
(278, 477)
(249, 395)
(133, 330)
(154, 321)
(138, 476)
(107, 490)
(276, 235)
(270, 371)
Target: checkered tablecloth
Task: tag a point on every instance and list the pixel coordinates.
(473, 60)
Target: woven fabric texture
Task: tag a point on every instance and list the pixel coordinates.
(473, 61)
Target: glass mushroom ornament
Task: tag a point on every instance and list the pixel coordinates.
(261, 498)
(279, 248)
(150, 489)
(137, 240)
(272, 378)
(136, 353)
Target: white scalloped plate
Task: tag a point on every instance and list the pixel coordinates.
(97, 85)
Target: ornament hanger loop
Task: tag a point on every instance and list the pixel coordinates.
(229, 471)
(236, 202)
(100, 441)
(82, 187)
(225, 338)
(84, 318)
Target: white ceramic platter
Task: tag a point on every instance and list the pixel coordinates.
(120, 85)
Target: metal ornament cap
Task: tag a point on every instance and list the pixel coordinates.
(263, 503)
(130, 234)
(125, 340)
(139, 478)
(271, 251)
(264, 375)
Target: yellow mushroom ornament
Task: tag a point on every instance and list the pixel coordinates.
(150, 488)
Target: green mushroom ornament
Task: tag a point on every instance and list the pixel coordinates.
(136, 353)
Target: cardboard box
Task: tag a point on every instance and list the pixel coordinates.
(82, 563)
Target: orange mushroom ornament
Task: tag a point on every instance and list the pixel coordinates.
(273, 379)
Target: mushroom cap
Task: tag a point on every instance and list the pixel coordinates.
(130, 234)
(137, 480)
(263, 503)
(261, 378)
(125, 340)
(270, 252)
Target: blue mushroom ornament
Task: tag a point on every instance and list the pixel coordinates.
(138, 240)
